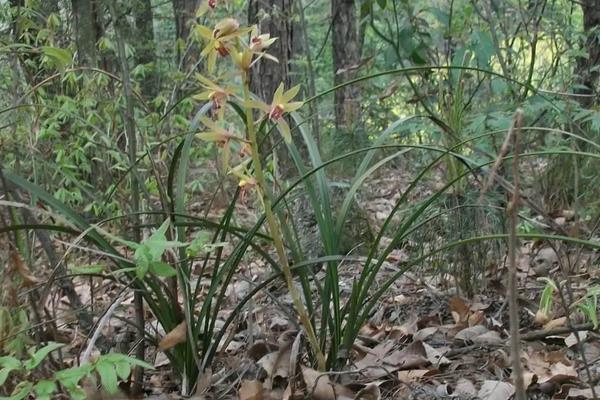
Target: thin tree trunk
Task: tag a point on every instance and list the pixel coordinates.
(184, 12)
(587, 68)
(144, 44)
(310, 71)
(85, 29)
(346, 57)
(135, 190)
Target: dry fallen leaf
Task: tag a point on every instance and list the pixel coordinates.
(276, 364)
(495, 390)
(424, 333)
(369, 392)
(550, 367)
(385, 358)
(468, 334)
(491, 337)
(319, 387)
(575, 393)
(23, 270)
(476, 318)
(251, 390)
(571, 340)
(555, 323)
(413, 375)
(435, 356)
(465, 388)
(460, 310)
(173, 338)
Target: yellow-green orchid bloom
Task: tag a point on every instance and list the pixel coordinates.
(205, 6)
(220, 40)
(260, 42)
(221, 136)
(281, 105)
(216, 94)
(246, 180)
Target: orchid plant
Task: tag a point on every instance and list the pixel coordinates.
(243, 47)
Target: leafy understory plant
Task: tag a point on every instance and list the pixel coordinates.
(148, 254)
(544, 312)
(231, 41)
(588, 305)
(109, 368)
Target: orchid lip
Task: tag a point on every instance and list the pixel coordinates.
(276, 112)
(223, 51)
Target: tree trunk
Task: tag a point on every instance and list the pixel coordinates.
(311, 90)
(184, 13)
(346, 57)
(144, 44)
(86, 34)
(266, 75)
(587, 69)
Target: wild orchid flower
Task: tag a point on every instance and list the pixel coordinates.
(245, 58)
(220, 40)
(218, 95)
(206, 6)
(246, 180)
(221, 136)
(281, 105)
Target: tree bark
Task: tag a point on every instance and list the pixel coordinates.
(310, 71)
(587, 68)
(184, 13)
(266, 75)
(346, 57)
(144, 44)
(130, 130)
(86, 33)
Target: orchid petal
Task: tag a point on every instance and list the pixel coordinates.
(293, 106)
(284, 129)
(212, 60)
(290, 94)
(278, 96)
(204, 31)
(259, 105)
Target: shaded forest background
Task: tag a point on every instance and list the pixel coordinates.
(144, 158)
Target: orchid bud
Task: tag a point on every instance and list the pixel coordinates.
(225, 27)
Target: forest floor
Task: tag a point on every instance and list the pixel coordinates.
(425, 340)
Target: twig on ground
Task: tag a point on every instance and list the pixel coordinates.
(103, 321)
(513, 211)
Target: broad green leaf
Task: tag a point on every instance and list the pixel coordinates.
(10, 362)
(162, 269)
(123, 368)
(41, 354)
(87, 269)
(59, 57)
(21, 391)
(4, 372)
(198, 245)
(77, 393)
(139, 363)
(152, 249)
(108, 376)
(44, 388)
(70, 377)
(119, 357)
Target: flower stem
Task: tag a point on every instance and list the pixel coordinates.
(275, 231)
